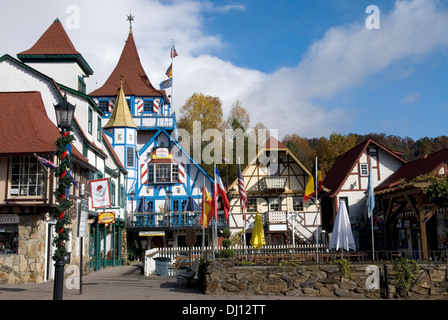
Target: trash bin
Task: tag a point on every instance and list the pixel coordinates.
(162, 265)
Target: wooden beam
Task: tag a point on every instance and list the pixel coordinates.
(430, 213)
(414, 209)
(423, 236)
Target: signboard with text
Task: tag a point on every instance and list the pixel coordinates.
(100, 193)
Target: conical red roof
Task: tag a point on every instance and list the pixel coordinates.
(136, 82)
(54, 41)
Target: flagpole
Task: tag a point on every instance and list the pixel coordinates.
(172, 68)
(370, 207)
(243, 211)
(316, 182)
(203, 213)
(215, 211)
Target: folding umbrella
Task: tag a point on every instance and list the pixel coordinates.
(342, 237)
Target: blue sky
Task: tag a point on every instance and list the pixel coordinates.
(298, 66)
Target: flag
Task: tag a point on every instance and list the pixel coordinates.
(173, 52)
(206, 207)
(166, 84)
(219, 189)
(310, 190)
(169, 71)
(46, 163)
(370, 194)
(242, 191)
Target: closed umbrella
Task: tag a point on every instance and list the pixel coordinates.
(257, 239)
(342, 237)
(142, 205)
(191, 205)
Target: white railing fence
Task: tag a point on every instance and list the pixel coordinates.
(173, 252)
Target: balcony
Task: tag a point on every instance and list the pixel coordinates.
(154, 121)
(171, 221)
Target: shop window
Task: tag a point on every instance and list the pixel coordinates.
(8, 234)
(28, 177)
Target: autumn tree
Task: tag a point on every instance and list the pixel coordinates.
(300, 147)
(329, 149)
(238, 115)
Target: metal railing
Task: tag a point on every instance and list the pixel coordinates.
(171, 219)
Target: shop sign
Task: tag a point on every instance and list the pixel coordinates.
(100, 193)
(161, 153)
(151, 233)
(82, 217)
(106, 217)
(9, 218)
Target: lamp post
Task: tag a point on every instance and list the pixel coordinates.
(64, 116)
(167, 208)
(132, 195)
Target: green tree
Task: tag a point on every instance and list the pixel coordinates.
(238, 115)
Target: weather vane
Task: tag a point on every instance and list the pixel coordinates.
(130, 19)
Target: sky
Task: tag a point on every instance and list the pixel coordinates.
(309, 67)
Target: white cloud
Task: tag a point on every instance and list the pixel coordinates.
(345, 58)
(411, 98)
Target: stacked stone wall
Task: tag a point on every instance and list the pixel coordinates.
(225, 277)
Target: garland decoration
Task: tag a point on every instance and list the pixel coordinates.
(61, 193)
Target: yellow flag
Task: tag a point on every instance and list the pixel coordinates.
(205, 207)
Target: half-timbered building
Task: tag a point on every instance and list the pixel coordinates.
(275, 189)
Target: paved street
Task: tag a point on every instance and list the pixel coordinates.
(122, 283)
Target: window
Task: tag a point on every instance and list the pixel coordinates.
(297, 204)
(251, 205)
(81, 85)
(151, 206)
(274, 204)
(147, 106)
(176, 205)
(163, 173)
(112, 193)
(9, 230)
(90, 125)
(104, 105)
(364, 169)
(130, 157)
(98, 130)
(28, 177)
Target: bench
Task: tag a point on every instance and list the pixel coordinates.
(190, 274)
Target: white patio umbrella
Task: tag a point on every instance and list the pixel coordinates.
(342, 237)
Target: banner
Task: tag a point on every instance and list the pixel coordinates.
(100, 193)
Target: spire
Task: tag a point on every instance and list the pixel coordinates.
(137, 82)
(121, 116)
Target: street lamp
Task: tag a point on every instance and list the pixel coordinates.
(64, 116)
(132, 195)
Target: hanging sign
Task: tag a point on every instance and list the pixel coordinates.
(100, 193)
(106, 217)
(82, 217)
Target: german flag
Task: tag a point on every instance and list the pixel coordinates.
(310, 190)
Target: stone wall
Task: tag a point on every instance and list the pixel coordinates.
(225, 277)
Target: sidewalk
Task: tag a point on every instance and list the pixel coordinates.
(123, 283)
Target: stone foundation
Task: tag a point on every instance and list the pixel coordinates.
(225, 277)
